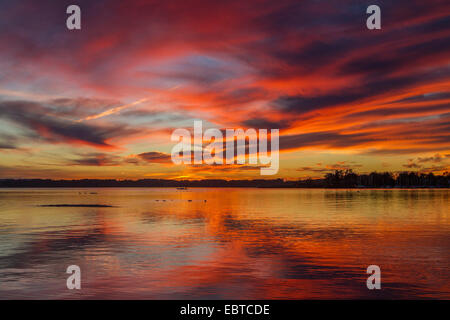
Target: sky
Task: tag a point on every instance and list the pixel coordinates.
(103, 101)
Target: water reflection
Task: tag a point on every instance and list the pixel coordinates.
(240, 243)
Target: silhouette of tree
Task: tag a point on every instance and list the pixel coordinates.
(338, 179)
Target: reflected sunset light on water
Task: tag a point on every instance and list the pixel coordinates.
(240, 243)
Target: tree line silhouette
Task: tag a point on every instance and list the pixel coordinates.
(349, 179)
(337, 179)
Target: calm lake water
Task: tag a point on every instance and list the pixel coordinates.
(158, 243)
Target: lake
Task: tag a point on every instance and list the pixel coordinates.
(235, 243)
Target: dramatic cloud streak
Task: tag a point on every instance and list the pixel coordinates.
(139, 69)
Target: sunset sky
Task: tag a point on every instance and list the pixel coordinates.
(102, 102)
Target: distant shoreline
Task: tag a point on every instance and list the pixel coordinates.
(150, 183)
(338, 180)
(228, 187)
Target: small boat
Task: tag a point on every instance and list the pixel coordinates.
(181, 188)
